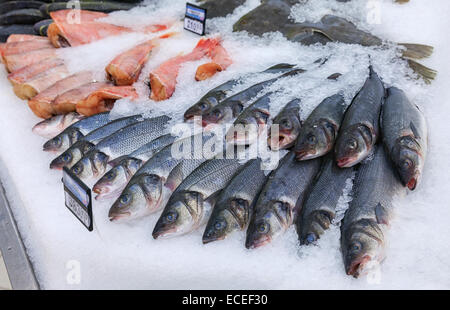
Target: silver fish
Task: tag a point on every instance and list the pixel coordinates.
(360, 128)
(55, 125)
(120, 143)
(405, 136)
(280, 199)
(319, 208)
(289, 124)
(320, 130)
(365, 223)
(188, 207)
(233, 208)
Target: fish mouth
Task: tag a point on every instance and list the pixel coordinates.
(412, 184)
(257, 243)
(345, 162)
(162, 232)
(56, 165)
(303, 155)
(117, 217)
(209, 239)
(357, 266)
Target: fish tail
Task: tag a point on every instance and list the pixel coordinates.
(416, 51)
(427, 74)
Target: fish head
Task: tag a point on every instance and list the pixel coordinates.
(223, 113)
(49, 125)
(225, 221)
(317, 222)
(353, 145)
(72, 155)
(63, 141)
(201, 108)
(268, 225)
(248, 127)
(115, 179)
(179, 216)
(138, 199)
(363, 247)
(316, 140)
(92, 165)
(288, 131)
(408, 161)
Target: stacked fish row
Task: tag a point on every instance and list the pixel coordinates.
(329, 148)
(38, 74)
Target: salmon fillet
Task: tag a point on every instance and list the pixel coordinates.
(220, 61)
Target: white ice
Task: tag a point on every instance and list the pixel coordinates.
(117, 256)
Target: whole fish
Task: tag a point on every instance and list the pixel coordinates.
(319, 209)
(320, 130)
(75, 132)
(74, 153)
(188, 207)
(405, 136)
(230, 108)
(218, 94)
(289, 124)
(280, 200)
(151, 186)
(249, 125)
(120, 143)
(365, 223)
(233, 208)
(115, 180)
(360, 128)
(55, 125)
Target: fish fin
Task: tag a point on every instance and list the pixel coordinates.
(416, 51)
(381, 214)
(427, 74)
(414, 130)
(175, 177)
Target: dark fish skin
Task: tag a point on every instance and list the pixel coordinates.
(218, 94)
(289, 124)
(75, 132)
(220, 8)
(360, 129)
(74, 153)
(233, 208)
(188, 208)
(280, 199)
(405, 136)
(365, 223)
(230, 108)
(319, 131)
(251, 122)
(319, 208)
(121, 142)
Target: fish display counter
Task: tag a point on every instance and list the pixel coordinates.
(237, 144)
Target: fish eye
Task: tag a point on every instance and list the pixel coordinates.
(217, 113)
(77, 169)
(406, 164)
(263, 228)
(220, 225)
(125, 199)
(311, 139)
(150, 179)
(111, 174)
(57, 140)
(171, 217)
(66, 158)
(286, 123)
(355, 246)
(352, 144)
(203, 106)
(311, 237)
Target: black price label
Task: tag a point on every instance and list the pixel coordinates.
(78, 198)
(195, 19)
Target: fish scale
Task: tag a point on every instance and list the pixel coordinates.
(110, 128)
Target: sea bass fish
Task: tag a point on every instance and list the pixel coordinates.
(55, 125)
(405, 136)
(360, 128)
(289, 124)
(115, 180)
(75, 132)
(120, 143)
(151, 186)
(319, 210)
(74, 153)
(188, 207)
(320, 130)
(364, 226)
(218, 94)
(280, 200)
(233, 208)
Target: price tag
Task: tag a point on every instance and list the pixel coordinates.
(78, 198)
(195, 19)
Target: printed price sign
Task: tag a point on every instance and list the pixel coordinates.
(195, 19)
(78, 198)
